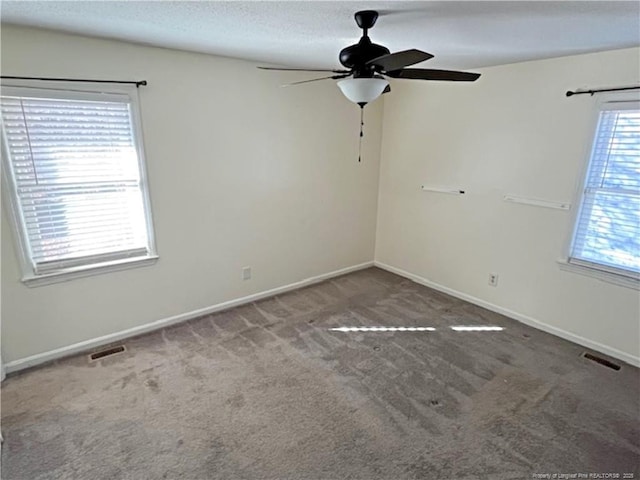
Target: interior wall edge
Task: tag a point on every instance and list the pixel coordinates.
(527, 320)
(58, 353)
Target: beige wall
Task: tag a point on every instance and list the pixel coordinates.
(241, 171)
(512, 132)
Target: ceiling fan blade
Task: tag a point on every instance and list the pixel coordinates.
(302, 70)
(333, 77)
(429, 74)
(398, 60)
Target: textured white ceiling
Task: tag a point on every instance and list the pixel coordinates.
(461, 35)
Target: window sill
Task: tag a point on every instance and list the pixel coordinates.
(87, 271)
(608, 277)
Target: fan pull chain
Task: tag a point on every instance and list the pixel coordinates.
(361, 133)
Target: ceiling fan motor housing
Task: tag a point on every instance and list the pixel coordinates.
(356, 56)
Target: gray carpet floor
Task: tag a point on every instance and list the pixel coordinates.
(268, 391)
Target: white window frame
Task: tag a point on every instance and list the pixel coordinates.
(74, 91)
(601, 272)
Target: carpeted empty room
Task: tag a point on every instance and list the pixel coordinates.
(419, 260)
(273, 390)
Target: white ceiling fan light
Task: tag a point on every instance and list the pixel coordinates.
(362, 90)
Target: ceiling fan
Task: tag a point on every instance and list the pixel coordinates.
(368, 64)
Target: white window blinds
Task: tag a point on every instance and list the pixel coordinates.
(607, 234)
(76, 173)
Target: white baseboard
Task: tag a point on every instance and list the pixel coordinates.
(572, 337)
(79, 347)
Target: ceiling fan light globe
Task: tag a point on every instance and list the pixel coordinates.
(362, 90)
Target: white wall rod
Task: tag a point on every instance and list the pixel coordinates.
(537, 203)
(451, 191)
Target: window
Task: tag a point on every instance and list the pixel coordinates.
(607, 231)
(75, 170)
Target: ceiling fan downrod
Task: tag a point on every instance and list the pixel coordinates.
(355, 57)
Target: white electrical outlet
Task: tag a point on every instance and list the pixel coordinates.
(246, 273)
(493, 279)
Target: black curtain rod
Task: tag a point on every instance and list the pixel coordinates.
(84, 80)
(591, 92)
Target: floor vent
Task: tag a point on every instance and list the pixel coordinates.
(107, 352)
(601, 361)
